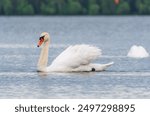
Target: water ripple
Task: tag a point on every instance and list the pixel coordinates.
(122, 74)
(14, 46)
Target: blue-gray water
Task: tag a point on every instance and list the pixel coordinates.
(127, 78)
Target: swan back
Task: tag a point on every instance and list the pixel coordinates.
(75, 56)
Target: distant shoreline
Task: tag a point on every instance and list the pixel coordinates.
(72, 15)
(74, 7)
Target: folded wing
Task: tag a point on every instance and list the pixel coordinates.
(77, 55)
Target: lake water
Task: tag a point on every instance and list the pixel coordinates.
(127, 78)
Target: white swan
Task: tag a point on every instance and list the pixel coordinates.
(75, 58)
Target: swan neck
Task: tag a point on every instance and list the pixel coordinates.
(43, 60)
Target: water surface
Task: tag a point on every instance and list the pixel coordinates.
(127, 78)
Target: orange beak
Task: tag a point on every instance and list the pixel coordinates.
(41, 40)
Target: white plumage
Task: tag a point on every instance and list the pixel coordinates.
(74, 59)
(77, 55)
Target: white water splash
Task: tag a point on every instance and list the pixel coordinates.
(137, 52)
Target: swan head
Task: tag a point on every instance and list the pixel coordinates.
(44, 37)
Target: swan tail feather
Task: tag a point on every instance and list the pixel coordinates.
(100, 67)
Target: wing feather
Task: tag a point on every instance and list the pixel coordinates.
(77, 55)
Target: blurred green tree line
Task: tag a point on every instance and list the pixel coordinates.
(74, 7)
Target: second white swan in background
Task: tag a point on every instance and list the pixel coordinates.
(75, 58)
